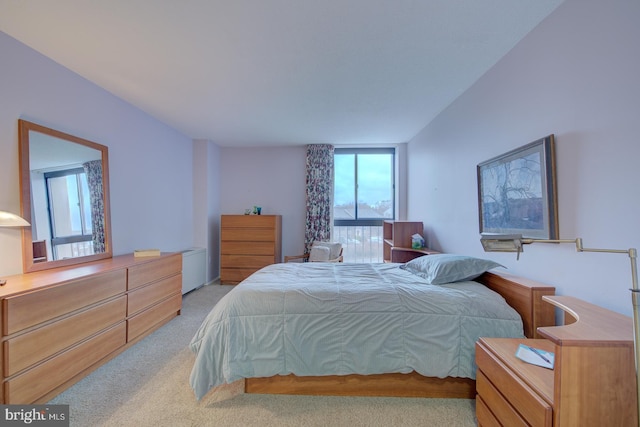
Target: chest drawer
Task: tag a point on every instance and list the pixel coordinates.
(247, 235)
(147, 272)
(29, 309)
(253, 248)
(248, 221)
(513, 391)
(39, 344)
(245, 261)
(235, 275)
(500, 407)
(484, 416)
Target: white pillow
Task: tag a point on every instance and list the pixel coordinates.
(319, 253)
(334, 248)
(439, 269)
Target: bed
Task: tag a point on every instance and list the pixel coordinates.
(361, 329)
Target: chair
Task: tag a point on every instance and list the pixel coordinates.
(320, 252)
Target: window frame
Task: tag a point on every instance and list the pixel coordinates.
(368, 150)
(73, 238)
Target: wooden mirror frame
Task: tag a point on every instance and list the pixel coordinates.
(24, 129)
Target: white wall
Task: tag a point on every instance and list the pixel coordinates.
(206, 203)
(150, 163)
(577, 76)
(273, 178)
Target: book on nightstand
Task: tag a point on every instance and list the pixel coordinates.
(146, 252)
(535, 356)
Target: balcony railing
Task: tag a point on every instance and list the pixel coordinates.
(73, 249)
(360, 243)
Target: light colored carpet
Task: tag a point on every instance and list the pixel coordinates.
(148, 385)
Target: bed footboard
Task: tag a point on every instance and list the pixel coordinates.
(388, 385)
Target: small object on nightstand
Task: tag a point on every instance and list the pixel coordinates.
(417, 241)
(3, 282)
(535, 356)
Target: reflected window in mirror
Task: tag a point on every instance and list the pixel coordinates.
(64, 192)
(69, 208)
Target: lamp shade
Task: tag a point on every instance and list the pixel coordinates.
(7, 219)
(502, 242)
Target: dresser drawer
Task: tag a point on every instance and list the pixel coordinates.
(248, 235)
(499, 407)
(42, 379)
(533, 409)
(147, 319)
(253, 248)
(26, 310)
(146, 296)
(27, 349)
(150, 271)
(245, 261)
(235, 275)
(248, 221)
(484, 416)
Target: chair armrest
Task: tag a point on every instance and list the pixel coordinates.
(288, 258)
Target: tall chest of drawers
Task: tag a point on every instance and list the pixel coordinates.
(59, 325)
(248, 243)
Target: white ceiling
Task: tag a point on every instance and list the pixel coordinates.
(47, 153)
(278, 72)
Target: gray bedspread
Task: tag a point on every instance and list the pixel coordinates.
(314, 319)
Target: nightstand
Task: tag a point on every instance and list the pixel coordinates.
(593, 382)
(510, 391)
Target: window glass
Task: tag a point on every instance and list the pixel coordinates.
(364, 196)
(363, 184)
(69, 213)
(375, 186)
(344, 193)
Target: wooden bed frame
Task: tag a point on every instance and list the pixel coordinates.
(524, 295)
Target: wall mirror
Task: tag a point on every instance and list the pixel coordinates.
(64, 194)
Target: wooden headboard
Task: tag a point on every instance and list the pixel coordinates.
(525, 296)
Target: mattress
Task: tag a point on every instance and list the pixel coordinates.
(314, 319)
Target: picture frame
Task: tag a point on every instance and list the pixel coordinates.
(517, 192)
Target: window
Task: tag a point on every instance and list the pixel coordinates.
(363, 197)
(69, 213)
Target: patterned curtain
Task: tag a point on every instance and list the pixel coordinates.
(93, 169)
(319, 194)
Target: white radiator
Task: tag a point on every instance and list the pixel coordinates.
(194, 269)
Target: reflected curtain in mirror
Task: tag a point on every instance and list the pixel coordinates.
(93, 170)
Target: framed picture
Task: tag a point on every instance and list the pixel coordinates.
(517, 192)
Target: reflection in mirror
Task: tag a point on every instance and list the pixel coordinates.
(64, 195)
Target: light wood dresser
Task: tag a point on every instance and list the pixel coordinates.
(59, 325)
(248, 243)
(593, 382)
